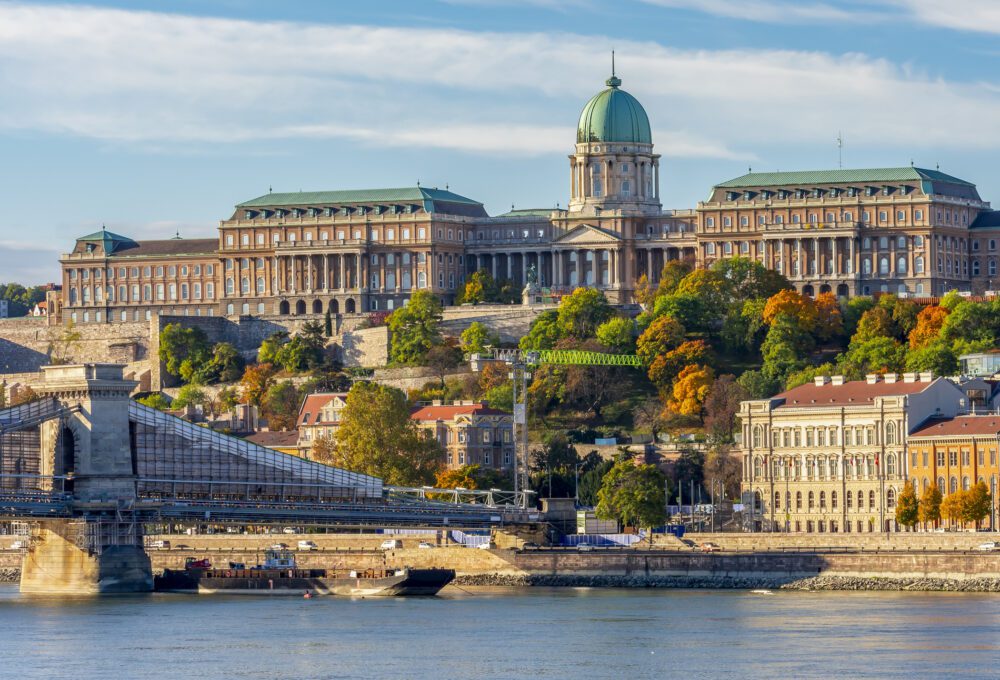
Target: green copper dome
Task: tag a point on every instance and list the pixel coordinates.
(614, 115)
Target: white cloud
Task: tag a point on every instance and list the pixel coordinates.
(769, 11)
(982, 16)
(156, 79)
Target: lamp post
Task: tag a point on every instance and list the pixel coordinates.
(576, 484)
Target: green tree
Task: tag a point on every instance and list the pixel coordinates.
(744, 278)
(907, 506)
(415, 328)
(190, 394)
(936, 356)
(853, 309)
(929, 508)
(875, 323)
(269, 348)
(617, 334)
(443, 358)
(590, 482)
(328, 324)
(758, 385)
(544, 332)
(155, 400)
(633, 495)
(878, 355)
(377, 437)
(784, 347)
(806, 375)
(477, 337)
(184, 351)
(581, 312)
(226, 364)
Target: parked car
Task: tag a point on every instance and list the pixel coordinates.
(425, 545)
(988, 547)
(160, 545)
(709, 547)
(308, 545)
(584, 547)
(485, 546)
(529, 545)
(181, 546)
(391, 544)
(279, 546)
(288, 530)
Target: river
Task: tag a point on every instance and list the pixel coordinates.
(511, 633)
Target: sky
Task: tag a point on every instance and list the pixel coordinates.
(156, 118)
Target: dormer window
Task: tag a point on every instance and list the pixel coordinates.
(852, 191)
(869, 191)
(765, 195)
(834, 193)
(800, 193)
(747, 195)
(731, 195)
(328, 212)
(377, 210)
(265, 213)
(886, 190)
(248, 214)
(345, 211)
(816, 193)
(782, 194)
(279, 213)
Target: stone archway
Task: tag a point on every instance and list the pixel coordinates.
(284, 308)
(350, 306)
(317, 307)
(334, 307)
(300, 307)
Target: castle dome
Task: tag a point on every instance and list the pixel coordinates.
(613, 115)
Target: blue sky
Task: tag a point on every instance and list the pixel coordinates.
(154, 117)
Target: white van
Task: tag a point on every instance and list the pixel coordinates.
(391, 544)
(308, 545)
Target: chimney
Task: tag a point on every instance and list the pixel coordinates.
(926, 376)
(837, 380)
(890, 378)
(871, 378)
(821, 380)
(909, 377)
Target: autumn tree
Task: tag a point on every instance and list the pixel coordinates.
(415, 328)
(281, 406)
(476, 288)
(829, 318)
(929, 508)
(581, 312)
(377, 437)
(662, 335)
(665, 368)
(930, 320)
(723, 467)
(978, 503)
(722, 407)
(690, 390)
(645, 292)
(257, 379)
(875, 323)
(633, 495)
(493, 374)
(789, 303)
(907, 506)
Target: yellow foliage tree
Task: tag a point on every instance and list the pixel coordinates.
(790, 303)
(928, 328)
(690, 390)
(953, 506)
(829, 319)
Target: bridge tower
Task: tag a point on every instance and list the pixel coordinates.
(101, 552)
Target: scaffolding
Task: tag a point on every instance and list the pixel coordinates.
(177, 459)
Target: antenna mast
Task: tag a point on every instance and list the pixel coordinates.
(840, 150)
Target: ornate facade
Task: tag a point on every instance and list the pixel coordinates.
(909, 231)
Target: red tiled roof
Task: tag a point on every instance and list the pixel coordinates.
(449, 412)
(853, 392)
(313, 404)
(275, 440)
(959, 426)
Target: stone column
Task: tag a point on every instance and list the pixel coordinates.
(294, 287)
(798, 256)
(835, 256)
(817, 262)
(656, 181)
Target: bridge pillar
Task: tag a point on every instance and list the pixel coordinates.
(66, 557)
(91, 446)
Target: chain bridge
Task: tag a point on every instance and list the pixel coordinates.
(88, 467)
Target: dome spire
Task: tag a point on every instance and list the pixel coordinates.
(614, 81)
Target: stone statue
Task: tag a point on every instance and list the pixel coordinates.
(532, 274)
(531, 287)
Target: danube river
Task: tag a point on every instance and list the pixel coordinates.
(516, 633)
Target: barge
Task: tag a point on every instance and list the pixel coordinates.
(280, 576)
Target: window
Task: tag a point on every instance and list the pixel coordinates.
(210, 291)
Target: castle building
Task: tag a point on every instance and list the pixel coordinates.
(909, 231)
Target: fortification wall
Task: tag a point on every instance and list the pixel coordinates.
(510, 322)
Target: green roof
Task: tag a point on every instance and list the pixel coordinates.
(842, 176)
(614, 115)
(360, 196)
(108, 240)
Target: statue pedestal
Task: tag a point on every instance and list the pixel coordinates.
(530, 294)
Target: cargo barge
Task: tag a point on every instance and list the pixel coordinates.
(279, 576)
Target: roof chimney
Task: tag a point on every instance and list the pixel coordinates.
(837, 380)
(909, 377)
(871, 378)
(821, 380)
(926, 376)
(890, 377)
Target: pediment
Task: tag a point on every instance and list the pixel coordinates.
(587, 234)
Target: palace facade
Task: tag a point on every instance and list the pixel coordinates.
(908, 230)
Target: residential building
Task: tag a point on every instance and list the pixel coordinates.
(471, 433)
(285, 442)
(910, 231)
(319, 416)
(981, 363)
(831, 455)
(956, 453)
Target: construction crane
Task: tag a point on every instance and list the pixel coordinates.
(521, 364)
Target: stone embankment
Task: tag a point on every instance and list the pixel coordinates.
(968, 585)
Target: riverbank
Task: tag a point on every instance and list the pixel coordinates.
(819, 583)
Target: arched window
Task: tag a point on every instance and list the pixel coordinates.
(777, 500)
(260, 285)
(890, 432)
(230, 287)
(890, 499)
(758, 432)
(848, 499)
(798, 500)
(890, 465)
(822, 500)
(953, 485)
(758, 467)
(883, 266)
(245, 286)
(918, 265)
(940, 484)
(871, 499)
(421, 280)
(901, 265)
(870, 467)
(861, 500)
(833, 500)
(965, 483)
(812, 500)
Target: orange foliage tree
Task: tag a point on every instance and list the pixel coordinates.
(792, 304)
(667, 366)
(928, 328)
(256, 381)
(691, 388)
(663, 335)
(829, 319)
